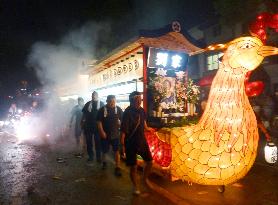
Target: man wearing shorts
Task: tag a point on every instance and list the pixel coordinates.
(133, 138)
(108, 121)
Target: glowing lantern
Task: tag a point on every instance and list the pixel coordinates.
(270, 152)
(161, 151)
(264, 20)
(253, 89)
(222, 147)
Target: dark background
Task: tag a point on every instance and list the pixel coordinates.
(24, 22)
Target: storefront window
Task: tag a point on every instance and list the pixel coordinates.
(213, 61)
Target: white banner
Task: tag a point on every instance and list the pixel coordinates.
(127, 70)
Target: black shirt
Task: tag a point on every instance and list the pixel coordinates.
(109, 117)
(131, 117)
(91, 114)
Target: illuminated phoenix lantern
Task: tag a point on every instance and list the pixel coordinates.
(222, 147)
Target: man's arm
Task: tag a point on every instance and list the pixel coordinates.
(120, 115)
(123, 138)
(72, 116)
(124, 127)
(147, 127)
(99, 123)
(100, 130)
(83, 120)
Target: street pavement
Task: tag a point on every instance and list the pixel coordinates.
(51, 174)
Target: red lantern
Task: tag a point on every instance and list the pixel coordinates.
(263, 20)
(161, 151)
(253, 89)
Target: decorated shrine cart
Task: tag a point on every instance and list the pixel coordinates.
(221, 148)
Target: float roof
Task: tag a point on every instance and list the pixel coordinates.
(168, 38)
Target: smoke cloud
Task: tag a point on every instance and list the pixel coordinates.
(58, 66)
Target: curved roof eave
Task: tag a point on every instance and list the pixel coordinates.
(169, 41)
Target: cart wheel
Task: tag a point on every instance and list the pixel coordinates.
(221, 189)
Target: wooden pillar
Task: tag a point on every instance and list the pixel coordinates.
(145, 80)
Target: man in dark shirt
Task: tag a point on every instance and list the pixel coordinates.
(133, 138)
(89, 124)
(76, 116)
(108, 121)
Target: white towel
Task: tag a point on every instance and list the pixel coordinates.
(105, 111)
(90, 107)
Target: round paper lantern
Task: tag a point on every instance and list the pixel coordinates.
(258, 27)
(254, 88)
(270, 153)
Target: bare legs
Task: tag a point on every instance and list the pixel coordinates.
(147, 171)
(134, 177)
(117, 158)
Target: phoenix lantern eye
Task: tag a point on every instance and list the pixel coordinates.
(246, 46)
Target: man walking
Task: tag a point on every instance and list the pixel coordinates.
(133, 139)
(108, 121)
(76, 116)
(89, 125)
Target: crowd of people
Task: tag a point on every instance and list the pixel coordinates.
(106, 126)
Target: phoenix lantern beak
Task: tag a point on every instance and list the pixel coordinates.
(267, 51)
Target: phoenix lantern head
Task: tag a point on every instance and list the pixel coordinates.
(248, 53)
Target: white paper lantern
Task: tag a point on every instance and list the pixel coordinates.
(270, 152)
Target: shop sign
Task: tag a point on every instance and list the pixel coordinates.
(126, 70)
(159, 58)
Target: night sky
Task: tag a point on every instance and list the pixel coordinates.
(24, 22)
